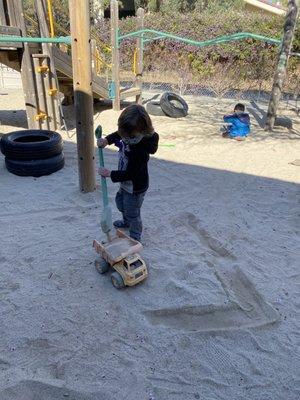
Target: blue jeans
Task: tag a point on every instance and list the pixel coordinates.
(129, 204)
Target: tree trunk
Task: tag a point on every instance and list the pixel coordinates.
(280, 74)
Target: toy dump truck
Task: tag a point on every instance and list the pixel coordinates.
(121, 253)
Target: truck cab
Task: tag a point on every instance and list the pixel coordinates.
(132, 269)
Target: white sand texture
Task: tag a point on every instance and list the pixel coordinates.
(218, 316)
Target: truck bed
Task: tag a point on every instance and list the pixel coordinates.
(118, 248)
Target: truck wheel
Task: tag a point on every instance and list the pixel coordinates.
(117, 280)
(101, 265)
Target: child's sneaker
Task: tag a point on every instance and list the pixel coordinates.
(120, 224)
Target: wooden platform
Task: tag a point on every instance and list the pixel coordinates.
(257, 5)
(11, 31)
(9, 56)
(132, 92)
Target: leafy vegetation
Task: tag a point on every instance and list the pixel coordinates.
(246, 62)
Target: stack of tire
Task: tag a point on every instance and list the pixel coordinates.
(170, 104)
(33, 152)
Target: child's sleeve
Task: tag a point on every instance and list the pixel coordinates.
(113, 138)
(247, 119)
(229, 119)
(153, 143)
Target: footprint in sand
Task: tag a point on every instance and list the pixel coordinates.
(4, 365)
(29, 260)
(38, 343)
(65, 218)
(57, 370)
(8, 287)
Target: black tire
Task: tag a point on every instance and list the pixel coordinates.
(31, 144)
(101, 265)
(154, 108)
(117, 280)
(35, 168)
(172, 110)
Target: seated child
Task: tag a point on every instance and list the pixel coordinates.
(238, 123)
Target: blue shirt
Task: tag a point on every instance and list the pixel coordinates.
(239, 124)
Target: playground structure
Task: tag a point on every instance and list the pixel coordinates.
(46, 68)
(46, 65)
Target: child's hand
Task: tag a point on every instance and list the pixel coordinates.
(104, 172)
(102, 142)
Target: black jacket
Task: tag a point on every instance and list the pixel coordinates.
(138, 157)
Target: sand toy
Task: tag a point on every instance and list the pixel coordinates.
(119, 251)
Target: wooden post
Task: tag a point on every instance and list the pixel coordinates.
(94, 56)
(280, 74)
(52, 99)
(139, 47)
(46, 92)
(114, 23)
(83, 96)
(16, 18)
(3, 20)
(42, 113)
(54, 117)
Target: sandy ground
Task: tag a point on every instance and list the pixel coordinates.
(218, 317)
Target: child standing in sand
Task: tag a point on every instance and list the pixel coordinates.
(238, 123)
(135, 139)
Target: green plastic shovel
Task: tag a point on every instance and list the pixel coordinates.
(106, 218)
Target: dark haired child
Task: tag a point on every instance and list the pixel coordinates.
(136, 140)
(239, 123)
